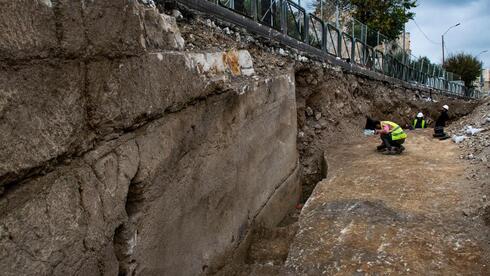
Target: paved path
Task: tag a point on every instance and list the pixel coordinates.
(391, 215)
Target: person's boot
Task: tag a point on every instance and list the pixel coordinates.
(388, 151)
(381, 147)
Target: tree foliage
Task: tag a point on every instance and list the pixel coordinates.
(387, 16)
(424, 64)
(329, 7)
(465, 65)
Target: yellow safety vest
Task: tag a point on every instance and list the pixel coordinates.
(396, 131)
(415, 123)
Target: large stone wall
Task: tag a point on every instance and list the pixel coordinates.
(121, 153)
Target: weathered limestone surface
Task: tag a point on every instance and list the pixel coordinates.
(119, 153)
(196, 180)
(42, 113)
(67, 28)
(47, 67)
(218, 170)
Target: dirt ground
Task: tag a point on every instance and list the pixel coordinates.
(406, 214)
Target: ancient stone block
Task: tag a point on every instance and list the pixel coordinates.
(211, 168)
(38, 29)
(23, 37)
(67, 28)
(42, 115)
(124, 93)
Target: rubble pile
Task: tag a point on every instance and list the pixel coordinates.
(205, 34)
(475, 128)
(472, 133)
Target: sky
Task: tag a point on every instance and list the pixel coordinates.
(434, 17)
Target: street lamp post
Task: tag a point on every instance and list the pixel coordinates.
(443, 40)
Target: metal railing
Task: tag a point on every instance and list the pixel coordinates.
(351, 41)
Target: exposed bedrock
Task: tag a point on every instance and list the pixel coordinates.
(169, 197)
(122, 154)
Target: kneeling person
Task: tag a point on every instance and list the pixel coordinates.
(419, 122)
(392, 137)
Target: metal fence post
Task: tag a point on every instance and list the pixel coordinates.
(283, 17)
(254, 9)
(324, 37)
(306, 29)
(339, 43)
(353, 50)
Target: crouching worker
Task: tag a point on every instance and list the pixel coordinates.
(419, 122)
(441, 123)
(392, 137)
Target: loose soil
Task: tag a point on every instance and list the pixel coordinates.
(406, 214)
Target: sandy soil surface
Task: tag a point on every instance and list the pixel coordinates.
(378, 214)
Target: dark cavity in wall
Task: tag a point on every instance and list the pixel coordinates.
(126, 234)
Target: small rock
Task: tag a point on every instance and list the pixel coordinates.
(227, 31)
(67, 161)
(318, 115)
(249, 39)
(149, 3)
(323, 123)
(302, 58)
(309, 111)
(282, 52)
(177, 14)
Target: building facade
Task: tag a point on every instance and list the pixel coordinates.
(485, 80)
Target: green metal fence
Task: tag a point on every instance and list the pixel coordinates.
(351, 41)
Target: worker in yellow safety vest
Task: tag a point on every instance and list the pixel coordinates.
(419, 122)
(392, 137)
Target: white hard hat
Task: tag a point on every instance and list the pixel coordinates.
(445, 107)
(420, 115)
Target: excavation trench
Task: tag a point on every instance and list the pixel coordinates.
(331, 112)
(179, 146)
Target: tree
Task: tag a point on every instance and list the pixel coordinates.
(329, 8)
(424, 65)
(466, 66)
(386, 16)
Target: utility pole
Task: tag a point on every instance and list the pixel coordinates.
(443, 60)
(443, 50)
